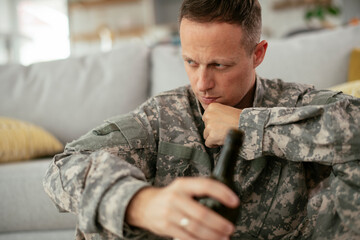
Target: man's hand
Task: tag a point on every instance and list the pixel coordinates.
(219, 119)
(161, 210)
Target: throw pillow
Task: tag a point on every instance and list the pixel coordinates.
(354, 70)
(351, 88)
(21, 140)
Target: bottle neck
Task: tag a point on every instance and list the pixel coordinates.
(224, 169)
(226, 164)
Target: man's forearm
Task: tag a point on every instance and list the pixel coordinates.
(326, 134)
(78, 183)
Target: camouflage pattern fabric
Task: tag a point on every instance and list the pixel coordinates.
(297, 174)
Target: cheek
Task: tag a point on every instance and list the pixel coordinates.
(230, 80)
(234, 85)
(192, 79)
(189, 74)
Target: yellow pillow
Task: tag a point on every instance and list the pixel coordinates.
(351, 88)
(21, 140)
(354, 63)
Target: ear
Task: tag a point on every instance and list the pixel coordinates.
(259, 52)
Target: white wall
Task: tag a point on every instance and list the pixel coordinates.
(8, 31)
(351, 9)
(5, 15)
(278, 23)
(4, 22)
(167, 11)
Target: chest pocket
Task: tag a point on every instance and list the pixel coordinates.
(176, 160)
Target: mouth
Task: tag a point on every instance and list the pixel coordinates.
(208, 100)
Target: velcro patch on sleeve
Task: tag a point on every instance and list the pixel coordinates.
(133, 130)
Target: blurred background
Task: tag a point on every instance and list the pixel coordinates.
(42, 30)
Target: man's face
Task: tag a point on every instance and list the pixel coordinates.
(220, 69)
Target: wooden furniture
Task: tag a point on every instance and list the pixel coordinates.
(104, 21)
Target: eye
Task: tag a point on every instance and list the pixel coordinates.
(191, 63)
(219, 66)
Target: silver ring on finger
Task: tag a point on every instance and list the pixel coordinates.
(184, 222)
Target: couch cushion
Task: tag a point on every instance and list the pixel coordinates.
(69, 97)
(24, 205)
(22, 140)
(351, 88)
(318, 58)
(40, 235)
(354, 65)
(168, 71)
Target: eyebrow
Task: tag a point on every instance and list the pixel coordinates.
(229, 61)
(186, 57)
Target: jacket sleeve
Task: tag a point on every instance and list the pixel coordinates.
(97, 175)
(326, 134)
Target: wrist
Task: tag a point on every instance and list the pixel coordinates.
(136, 211)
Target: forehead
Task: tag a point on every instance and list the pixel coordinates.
(219, 30)
(215, 39)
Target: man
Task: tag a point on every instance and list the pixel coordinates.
(136, 176)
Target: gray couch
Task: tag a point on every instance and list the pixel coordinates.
(69, 97)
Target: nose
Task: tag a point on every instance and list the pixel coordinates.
(205, 80)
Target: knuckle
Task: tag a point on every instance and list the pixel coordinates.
(165, 224)
(207, 143)
(203, 213)
(211, 106)
(176, 183)
(205, 117)
(194, 226)
(166, 213)
(179, 181)
(171, 197)
(209, 137)
(208, 183)
(206, 130)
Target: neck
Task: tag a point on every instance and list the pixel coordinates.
(248, 100)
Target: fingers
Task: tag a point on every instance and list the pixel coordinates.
(219, 119)
(172, 211)
(176, 229)
(197, 230)
(203, 223)
(200, 187)
(213, 139)
(185, 227)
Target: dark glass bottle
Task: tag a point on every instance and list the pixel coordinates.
(224, 172)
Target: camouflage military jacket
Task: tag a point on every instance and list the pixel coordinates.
(295, 138)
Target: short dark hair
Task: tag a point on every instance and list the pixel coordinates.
(245, 13)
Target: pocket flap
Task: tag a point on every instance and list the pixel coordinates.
(132, 129)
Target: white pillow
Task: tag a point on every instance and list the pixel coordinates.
(69, 97)
(168, 71)
(318, 58)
